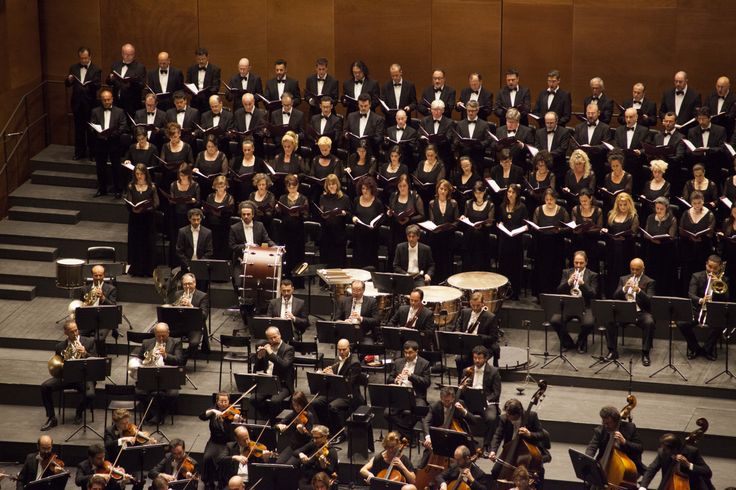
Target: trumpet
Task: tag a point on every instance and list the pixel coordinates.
(184, 300)
(632, 284)
(715, 285)
(577, 276)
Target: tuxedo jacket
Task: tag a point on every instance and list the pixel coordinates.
(254, 85)
(485, 101)
(728, 107)
(505, 431)
(174, 354)
(690, 104)
(601, 133)
(524, 134)
(641, 135)
(696, 290)
(110, 439)
(425, 259)
(84, 97)
(715, 140)
(605, 106)
(486, 327)
(420, 380)
(447, 96)
(407, 96)
(236, 239)
(424, 323)
(480, 133)
(368, 86)
(648, 108)
(165, 466)
(257, 120)
(561, 105)
(226, 120)
(128, 94)
(491, 384)
(118, 122)
(174, 84)
(699, 476)
(333, 128)
(185, 244)
(283, 365)
(522, 102)
(589, 288)
(191, 118)
(368, 310)
(141, 117)
(28, 471)
(560, 143)
(108, 290)
(330, 88)
(87, 342)
(436, 417)
(374, 129)
(85, 471)
(212, 78)
(298, 309)
(643, 297)
(675, 142)
(350, 370)
(632, 447)
(296, 120)
(408, 137)
(446, 126)
(200, 300)
(291, 85)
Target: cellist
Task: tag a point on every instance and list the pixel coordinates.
(464, 470)
(675, 456)
(445, 413)
(389, 457)
(624, 433)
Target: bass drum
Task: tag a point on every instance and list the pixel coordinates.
(444, 301)
(495, 287)
(262, 269)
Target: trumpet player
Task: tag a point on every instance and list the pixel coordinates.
(411, 371)
(190, 296)
(477, 320)
(578, 281)
(416, 316)
(99, 293)
(77, 347)
(639, 288)
(702, 292)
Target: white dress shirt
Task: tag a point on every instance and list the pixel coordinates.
(195, 238)
(413, 266)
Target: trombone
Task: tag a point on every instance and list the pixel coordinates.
(715, 285)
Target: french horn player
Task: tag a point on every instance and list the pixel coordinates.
(191, 297)
(100, 293)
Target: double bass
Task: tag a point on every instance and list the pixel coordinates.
(678, 479)
(620, 470)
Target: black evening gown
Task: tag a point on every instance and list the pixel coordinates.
(477, 253)
(365, 240)
(333, 243)
(173, 159)
(588, 240)
(207, 167)
(414, 207)
(242, 178)
(219, 224)
(510, 249)
(146, 157)
(142, 232)
(650, 195)
(550, 251)
(443, 242)
(265, 209)
(694, 253)
(659, 257)
(292, 234)
(620, 251)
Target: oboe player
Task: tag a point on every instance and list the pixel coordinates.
(416, 316)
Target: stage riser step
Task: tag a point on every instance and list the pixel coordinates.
(17, 292)
(64, 179)
(83, 167)
(24, 252)
(66, 247)
(98, 210)
(44, 215)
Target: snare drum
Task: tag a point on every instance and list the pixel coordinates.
(495, 287)
(69, 273)
(262, 268)
(355, 275)
(444, 301)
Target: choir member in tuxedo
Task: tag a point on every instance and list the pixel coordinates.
(464, 470)
(405, 207)
(555, 139)
(332, 246)
(549, 243)
(164, 81)
(621, 226)
(722, 102)
(681, 99)
(388, 173)
(704, 185)
(247, 232)
(675, 456)
(475, 91)
(244, 82)
(577, 281)
(206, 77)
(405, 137)
(83, 347)
(670, 137)
(169, 350)
(505, 173)
(630, 138)
(429, 172)
(638, 288)
(711, 138)
(309, 460)
(289, 116)
(598, 98)
(357, 84)
(540, 179)
(512, 214)
(192, 297)
(107, 146)
(170, 467)
(193, 242)
(250, 120)
(85, 79)
(594, 133)
(697, 228)
(476, 129)
(323, 164)
(616, 181)
(437, 91)
(187, 192)
(479, 321)
(438, 415)
(364, 124)
(281, 83)
(554, 99)
(33, 467)
(210, 163)
(660, 251)
(625, 434)
(522, 135)
(414, 258)
(221, 432)
(464, 181)
(438, 126)
(366, 208)
(646, 108)
(398, 94)
(416, 316)
(443, 209)
(274, 357)
(390, 457)
(184, 115)
(588, 214)
(150, 115)
(512, 96)
(293, 209)
(219, 118)
(655, 187)
(410, 371)
(480, 211)
(127, 87)
(327, 123)
(218, 209)
(359, 309)
(141, 222)
(335, 410)
(320, 84)
(290, 307)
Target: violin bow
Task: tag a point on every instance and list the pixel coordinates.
(302, 410)
(256, 441)
(143, 420)
(186, 453)
(327, 443)
(240, 398)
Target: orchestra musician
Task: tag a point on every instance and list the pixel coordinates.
(522, 479)
(675, 456)
(360, 309)
(194, 298)
(274, 357)
(314, 457)
(625, 435)
(483, 376)
(636, 287)
(220, 424)
(193, 242)
(238, 454)
(416, 316)
(322, 481)
(290, 307)
(479, 321)
(464, 470)
(439, 416)
(577, 281)
(174, 466)
(73, 347)
(39, 464)
(96, 294)
(389, 457)
(97, 482)
(303, 426)
(412, 371)
(234, 483)
(247, 232)
(93, 466)
(414, 258)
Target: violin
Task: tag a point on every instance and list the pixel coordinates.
(115, 472)
(141, 437)
(52, 462)
(256, 450)
(187, 466)
(230, 414)
(393, 474)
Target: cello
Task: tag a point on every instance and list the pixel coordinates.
(678, 479)
(620, 470)
(390, 473)
(519, 451)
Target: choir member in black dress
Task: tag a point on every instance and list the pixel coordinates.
(661, 248)
(332, 245)
(697, 228)
(405, 207)
(540, 179)
(443, 209)
(186, 190)
(464, 182)
(287, 161)
(359, 164)
(389, 457)
(588, 218)
(505, 174)
(390, 171)
(656, 187)
(480, 211)
(729, 188)
(580, 176)
(245, 169)
(142, 151)
(366, 208)
(622, 223)
(727, 242)
(428, 173)
(209, 164)
(293, 209)
(218, 208)
(699, 182)
(174, 153)
(263, 199)
(512, 214)
(616, 181)
(549, 243)
(221, 432)
(322, 165)
(141, 223)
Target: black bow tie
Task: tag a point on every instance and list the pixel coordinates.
(180, 111)
(286, 113)
(126, 64)
(150, 113)
(399, 129)
(202, 68)
(679, 92)
(630, 129)
(249, 113)
(513, 89)
(472, 121)
(706, 130)
(87, 66)
(474, 92)
(721, 98)
(437, 90)
(358, 82)
(215, 114)
(325, 117)
(163, 72)
(320, 79)
(550, 92)
(437, 121)
(281, 80)
(592, 125)
(667, 133)
(397, 85)
(106, 110)
(595, 97)
(243, 79)
(364, 115)
(550, 132)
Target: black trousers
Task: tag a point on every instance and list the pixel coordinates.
(164, 401)
(688, 331)
(213, 452)
(586, 326)
(269, 406)
(51, 385)
(645, 321)
(334, 412)
(403, 420)
(83, 141)
(104, 150)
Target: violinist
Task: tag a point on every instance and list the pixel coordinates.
(177, 465)
(315, 456)
(624, 433)
(464, 470)
(122, 433)
(411, 371)
(40, 464)
(300, 421)
(448, 411)
(238, 454)
(483, 376)
(522, 479)
(674, 456)
(378, 466)
(95, 465)
(220, 418)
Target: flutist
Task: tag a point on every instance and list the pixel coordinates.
(99, 293)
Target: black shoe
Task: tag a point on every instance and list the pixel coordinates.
(100, 193)
(612, 356)
(78, 419)
(564, 348)
(711, 356)
(692, 354)
(582, 346)
(77, 157)
(50, 423)
(645, 359)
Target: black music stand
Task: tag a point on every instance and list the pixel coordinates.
(183, 484)
(606, 311)
(670, 310)
(53, 482)
(445, 441)
(588, 469)
(265, 384)
(92, 319)
(309, 273)
(141, 459)
(156, 379)
(330, 386)
(259, 325)
(722, 316)
(566, 306)
(394, 337)
(213, 270)
(457, 343)
(331, 332)
(397, 284)
(81, 371)
(272, 475)
(381, 484)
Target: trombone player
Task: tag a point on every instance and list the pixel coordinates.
(96, 294)
(705, 286)
(73, 347)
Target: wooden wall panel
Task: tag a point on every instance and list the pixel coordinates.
(22, 43)
(65, 27)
